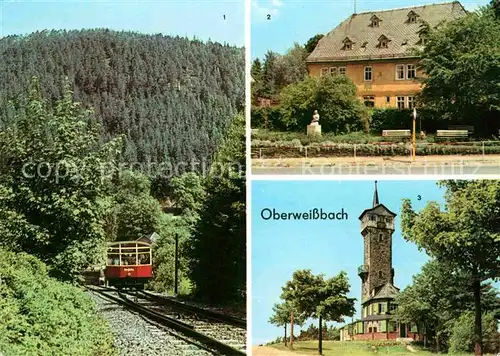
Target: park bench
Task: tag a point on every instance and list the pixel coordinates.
(469, 128)
(452, 133)
(396, 133)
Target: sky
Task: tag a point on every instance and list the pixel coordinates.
(201, 18)
(281, 247)
(298, 20)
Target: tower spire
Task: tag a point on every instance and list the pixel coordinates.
(375, 196)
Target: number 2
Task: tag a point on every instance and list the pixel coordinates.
(268, 16)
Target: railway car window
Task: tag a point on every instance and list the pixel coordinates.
(144, 258)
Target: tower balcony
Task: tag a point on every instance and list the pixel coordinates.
(362, 270)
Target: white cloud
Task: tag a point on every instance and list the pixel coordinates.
(261, 9)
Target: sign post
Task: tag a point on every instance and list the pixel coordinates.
(414, 138)
(176, 263)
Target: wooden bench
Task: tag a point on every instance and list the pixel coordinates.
(452, 133)
(396, 133)
(470, 129)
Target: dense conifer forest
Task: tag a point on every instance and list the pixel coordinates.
(172, 97)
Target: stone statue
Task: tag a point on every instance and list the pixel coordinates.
(314, 128)
(315, 120)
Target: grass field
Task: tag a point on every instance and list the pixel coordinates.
(352, 348)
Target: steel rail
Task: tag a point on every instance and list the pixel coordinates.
(186, 329)
(226, 319)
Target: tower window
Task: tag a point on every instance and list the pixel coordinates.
(373, 218)
(380, 275)
(380, 237)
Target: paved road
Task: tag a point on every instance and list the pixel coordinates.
(394, 170)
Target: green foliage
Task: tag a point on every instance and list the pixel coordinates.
(313, 296)
(172, 97)
(335, 99)
(218, 247)
(188, 193)
(438, 296)
(396, 119)
(465, 235)
(267, 118)
(54, 173)
(462, 334)
(134, 211)
(41, 316)
(462, 61)
(312, 43)
(164, 255)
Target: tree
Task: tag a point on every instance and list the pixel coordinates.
(437, 297)
(257, 76)
(462, 63)
(313, 296)
(465, 236)
(294, 65)
(134, 212)
(54, 177)
(312, 43)
(462, 334)
(217, 249)
(335, 99)
(282, 316)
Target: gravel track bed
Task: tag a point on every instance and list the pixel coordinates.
(227, 334)
(135, 335)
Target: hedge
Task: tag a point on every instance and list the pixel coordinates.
(326, 149)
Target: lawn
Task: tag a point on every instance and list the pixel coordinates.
(351, 348)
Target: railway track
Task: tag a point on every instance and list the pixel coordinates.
(204, 328)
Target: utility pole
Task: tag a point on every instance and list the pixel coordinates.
(354, 6)
(176, 263)
(414, 139)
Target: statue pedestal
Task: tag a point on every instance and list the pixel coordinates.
(313, 130)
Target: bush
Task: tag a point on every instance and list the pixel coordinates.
(41, 316)
(267, 118)
(335, 99)
(462, 334)
(396, 119)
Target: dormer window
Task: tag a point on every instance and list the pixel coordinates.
(347, 44)
(383, 42)
(375, 21)
(412, 17)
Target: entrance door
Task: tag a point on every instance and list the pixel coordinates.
(402, 330)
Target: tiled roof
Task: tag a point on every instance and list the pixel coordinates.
(387, 291)
(393, 25)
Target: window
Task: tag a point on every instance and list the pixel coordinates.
(401, 102)
(375, 329)
(380, 274)
(380, 238)
(324, 71)
(411, 71)
(373, 218)
(375, 21)
(368, 74)
(412, 19)
(411, 102)
(381, 308)
(347, 43)
(383, 44)
(342, 70)
(370, 329)
(400, 72)
(369, 101)
(388, 99)
(333, 70)
(388, 219)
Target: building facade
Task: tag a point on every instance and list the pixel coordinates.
(376, 51)
(378, 291)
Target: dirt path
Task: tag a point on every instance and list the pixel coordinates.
(271, 351)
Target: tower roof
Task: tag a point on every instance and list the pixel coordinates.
(377, 208)
(375, 196)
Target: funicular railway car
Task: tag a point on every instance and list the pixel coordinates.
(128, 264)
